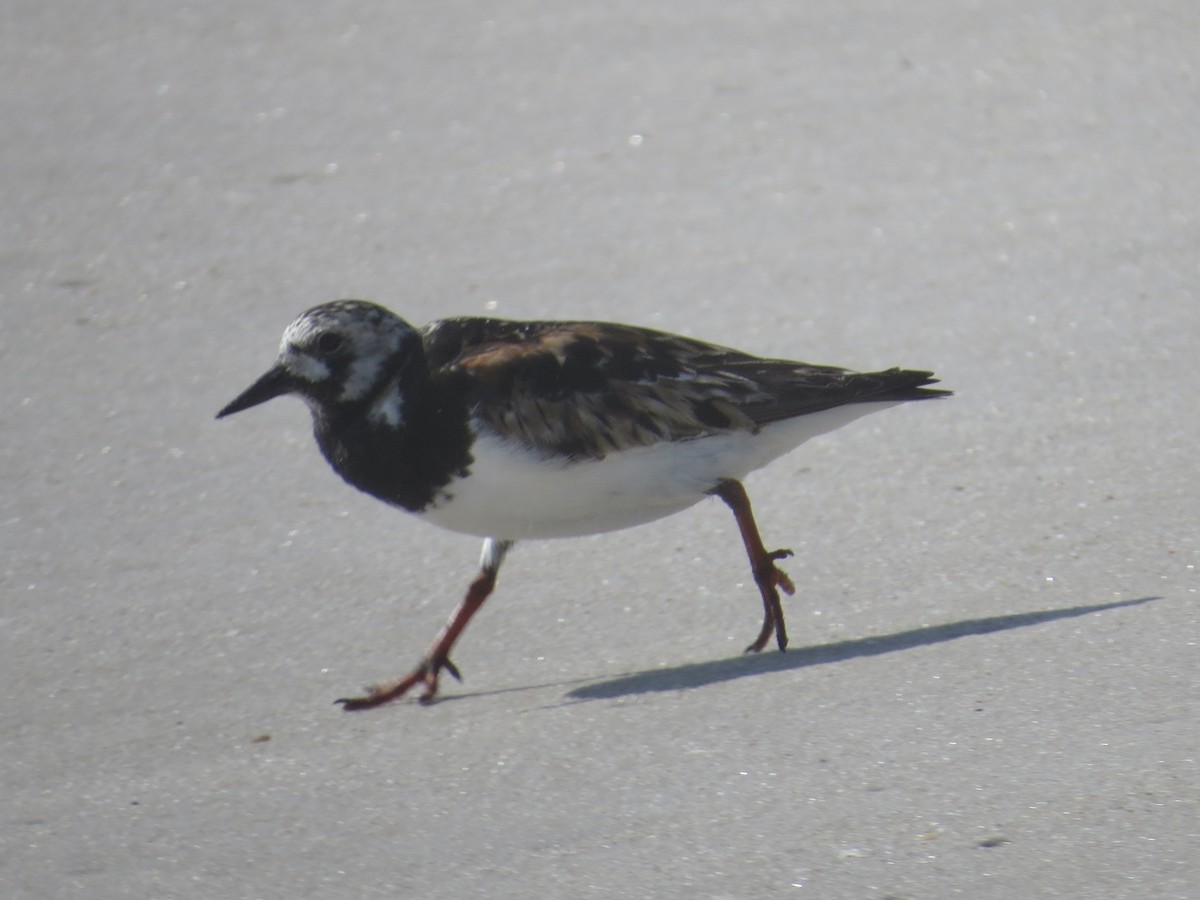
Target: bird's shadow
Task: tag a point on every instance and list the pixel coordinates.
(694, 675)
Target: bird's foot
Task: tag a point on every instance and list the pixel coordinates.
(775, 575)
(426, 673)
(771, 580)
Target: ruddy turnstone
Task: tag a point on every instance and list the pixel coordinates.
(513, 430)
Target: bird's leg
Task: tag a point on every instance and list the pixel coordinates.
(438, 656)
(768, 576)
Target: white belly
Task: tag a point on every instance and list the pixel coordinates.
(511, 494)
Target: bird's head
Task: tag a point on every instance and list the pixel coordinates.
(349, 353)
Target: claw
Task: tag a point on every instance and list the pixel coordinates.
(373, 697)
(426, 673)
(379, 694)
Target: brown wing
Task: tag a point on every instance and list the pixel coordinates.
(586, 389)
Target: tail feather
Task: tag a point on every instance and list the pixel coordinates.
(895, 384)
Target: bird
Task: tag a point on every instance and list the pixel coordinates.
(518, 430)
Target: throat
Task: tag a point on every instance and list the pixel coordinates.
(401, 452)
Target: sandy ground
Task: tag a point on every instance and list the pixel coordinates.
(992, 691)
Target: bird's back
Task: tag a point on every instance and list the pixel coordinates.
(584, 390)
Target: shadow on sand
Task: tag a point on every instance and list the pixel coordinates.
(695, 675)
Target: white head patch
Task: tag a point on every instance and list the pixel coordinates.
(361, 377)
(389, 410)
(304, 365)
(298, 362)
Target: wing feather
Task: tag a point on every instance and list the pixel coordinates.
(583, 390)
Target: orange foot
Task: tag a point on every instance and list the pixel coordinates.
(425, 673)
(771, 580)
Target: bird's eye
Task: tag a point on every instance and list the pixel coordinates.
(329, 342)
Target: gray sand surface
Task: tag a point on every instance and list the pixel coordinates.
(992, 690)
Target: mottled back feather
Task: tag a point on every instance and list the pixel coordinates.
(582, 390)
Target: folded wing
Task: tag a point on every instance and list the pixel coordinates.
(582, 390)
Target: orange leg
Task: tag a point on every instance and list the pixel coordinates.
(438, 655)
(768, 576)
